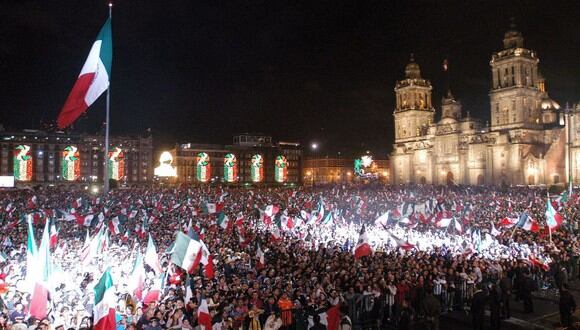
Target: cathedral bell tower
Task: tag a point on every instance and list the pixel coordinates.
(515, 95)
(414, 110)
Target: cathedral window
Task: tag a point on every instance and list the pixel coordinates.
(505, 77)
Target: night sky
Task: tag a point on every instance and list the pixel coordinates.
(202, 71)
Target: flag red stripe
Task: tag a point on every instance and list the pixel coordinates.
(75, 104)
(39, 301)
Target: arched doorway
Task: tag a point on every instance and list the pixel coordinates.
(450, 179)
(480, 180)
(422, 180)
(531, 180)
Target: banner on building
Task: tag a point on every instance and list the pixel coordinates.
(230, 168)
(281, 169)
(70, 164)
(23, 163)
(116, 164)
(203, 167)
(257, 168)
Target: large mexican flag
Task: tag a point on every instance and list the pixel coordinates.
(93, 79)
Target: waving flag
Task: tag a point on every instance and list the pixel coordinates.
(260, 256)
(211, 208)
(137, 280)
(104, 310)
(114, 226)
(458, 226)
(443, 223)
(494, 232)
(93, 79)
(224, 221)
(151, 258)
(329, 318)
(207, 261)
(383, 219)
(43, 270)
(539, 263)
(527, 223)
(84, 220)
(186, 252)
(508, 222)
(203, 315)
(553, 218)
(31, 254)
(363, 248)
(53, 235)
(271, 210)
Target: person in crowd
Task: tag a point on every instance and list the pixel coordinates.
(495, 300)
(284, 251)
(567, 306)
(431, 309)
(478, 308)
(505, 285)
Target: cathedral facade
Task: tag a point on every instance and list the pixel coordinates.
(530, 140)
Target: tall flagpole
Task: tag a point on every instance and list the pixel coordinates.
(106, 156)
(549, 228)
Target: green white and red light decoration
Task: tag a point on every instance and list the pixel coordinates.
(203, 167)
(257, 168)
(230, 168)
(22, 163)
(116, 164)
(281, 169)
(70, 164)
(361, 164)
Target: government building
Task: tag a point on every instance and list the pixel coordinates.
(530, 139)
(252, 159)
(37, 157)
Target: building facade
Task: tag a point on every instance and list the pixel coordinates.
(528, 141)
(252, 159)
(37, 157)
(325, 170)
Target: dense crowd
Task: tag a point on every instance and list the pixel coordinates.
(284, 258)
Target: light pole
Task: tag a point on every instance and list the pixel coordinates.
(314, 147)
(569, 113)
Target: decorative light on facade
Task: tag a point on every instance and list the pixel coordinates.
(165, 169)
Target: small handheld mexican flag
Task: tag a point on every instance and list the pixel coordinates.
(186, 252)
(553, 218)
(104, 310)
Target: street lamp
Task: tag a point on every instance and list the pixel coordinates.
(570, 114)
(314, 147)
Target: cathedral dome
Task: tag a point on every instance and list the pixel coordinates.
(412, 70)
(549, 104)
(513, 38)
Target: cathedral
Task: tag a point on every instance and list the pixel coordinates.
(530, 140)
